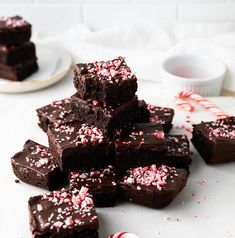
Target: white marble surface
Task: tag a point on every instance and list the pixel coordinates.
(209, 213)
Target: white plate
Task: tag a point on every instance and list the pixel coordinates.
(53, 65)
(209, 213)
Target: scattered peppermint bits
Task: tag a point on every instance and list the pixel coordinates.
(70, 209)
(149, 176)
(93, 176)
(80, 135)
(202, 181)
(40, 157)
(113, 71)
(222, 128)
(162, 115)
(13, 22)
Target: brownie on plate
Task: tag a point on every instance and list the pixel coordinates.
(162, 115)
(138, 145)
(178, 152)
(14, 54)
(152, 186)
(101, 183)
(19, 71)
(111, 83)
(63, 214)
(35, 165)
(106, 118)
(58, 112)
(76, 145)
(215, 140)
(14, 30)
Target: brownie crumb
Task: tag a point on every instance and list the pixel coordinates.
(17, 181)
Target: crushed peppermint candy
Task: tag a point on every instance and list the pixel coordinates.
(221, 128)
(162, 115)
(83, 134)
(13, 22)
(70, 209)
(112, 71)
(94, 176)
(149, 176)
(39, 156)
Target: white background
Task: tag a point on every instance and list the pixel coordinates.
(58, 15)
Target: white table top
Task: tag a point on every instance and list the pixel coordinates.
(209, 213)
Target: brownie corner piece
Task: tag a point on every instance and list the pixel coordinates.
(101, 183)
(14, 30)
(77, 145)
(110, 82)
(215, 140)
(139, 144)
(35, 165)
(57, 112)
(152, 186)
(161, 115)
(65, 214)
(178, 153)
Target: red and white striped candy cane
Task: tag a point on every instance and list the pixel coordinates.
(200, 100)
(123, 234)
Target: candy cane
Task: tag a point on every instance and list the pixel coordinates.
(123, 234)
(200, 100)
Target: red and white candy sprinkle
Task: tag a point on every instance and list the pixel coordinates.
(149, 176)
(123, 234)
(200, 100)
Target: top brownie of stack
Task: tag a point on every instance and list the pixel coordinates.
(111, 83)
(14, 30)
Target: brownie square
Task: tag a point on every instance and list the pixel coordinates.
(142, 114)
(19, 71)
(14, 30)
(59, 112)
(111, 83)
(106, 118)
(35, 165)
(152, 186)
(178, 152)
(14, 54)
(140, 144)
(161, 115)
(101, 183)
(215, 140)
(76, 146)
(63, 214)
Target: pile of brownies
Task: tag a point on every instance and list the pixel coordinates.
(103, 142)
(17, 53)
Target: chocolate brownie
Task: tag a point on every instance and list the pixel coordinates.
(59, 112)
(178, 152)
(19, 71)
(101, 183)
(14, 54)
(215, 140)
(141, 144)
(111, 83)
(35, 165)
(14, 30)
(152, 186)
(63, 214)
(142, 114)
(76, 146)
(162, 115)
(105, 118)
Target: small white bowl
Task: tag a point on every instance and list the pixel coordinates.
(200, 74)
